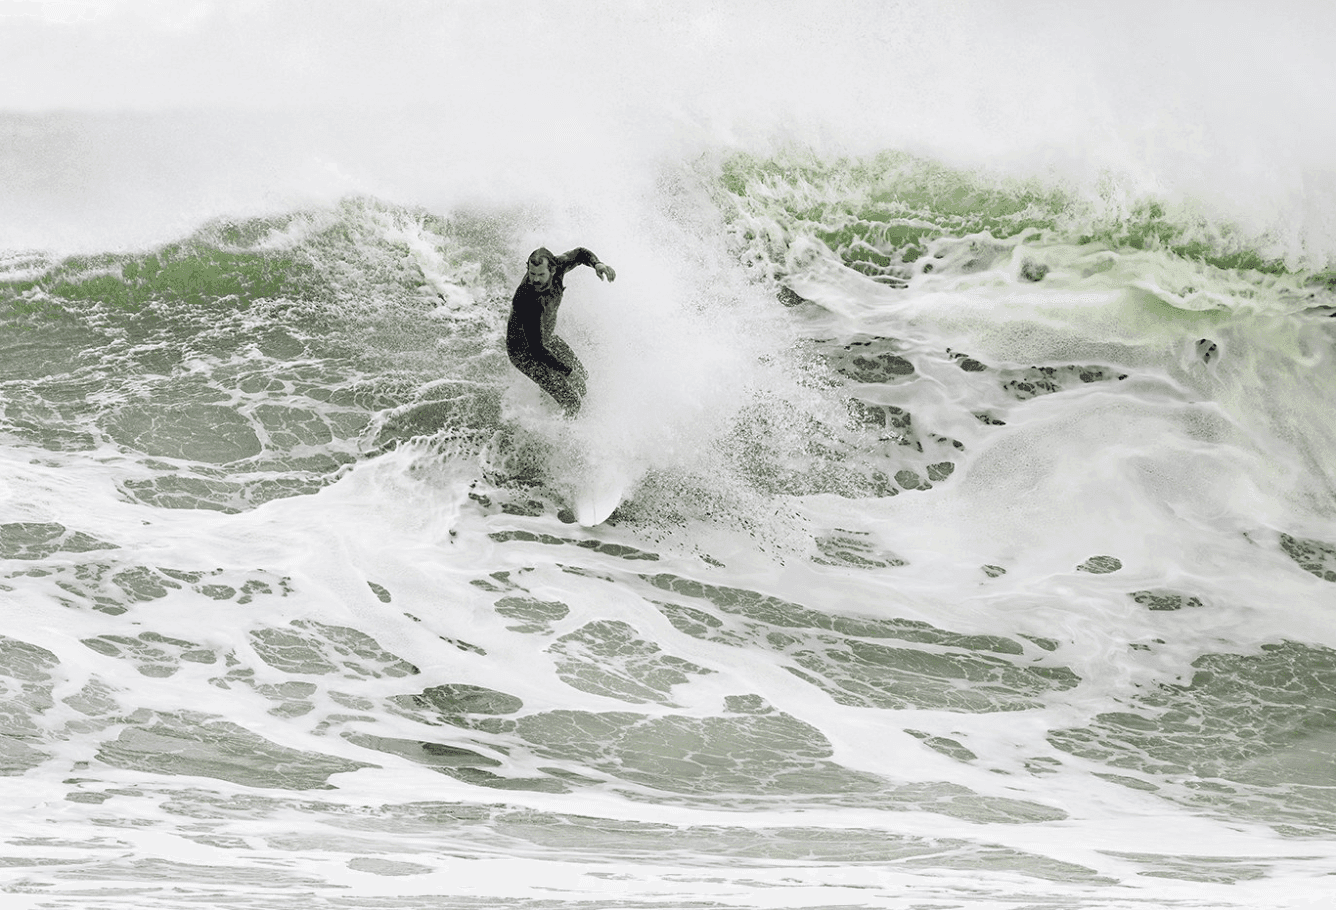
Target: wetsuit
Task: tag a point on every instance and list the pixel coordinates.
(534, 347)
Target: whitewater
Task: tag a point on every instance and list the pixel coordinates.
(969, 368)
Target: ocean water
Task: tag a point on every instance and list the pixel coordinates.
(974, 400)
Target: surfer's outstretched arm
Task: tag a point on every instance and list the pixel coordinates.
(581, 256)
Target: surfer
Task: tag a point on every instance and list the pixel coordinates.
(531, 339)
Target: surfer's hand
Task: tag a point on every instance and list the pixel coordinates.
(604, 271)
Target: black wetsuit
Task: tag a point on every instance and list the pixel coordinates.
(534, 347)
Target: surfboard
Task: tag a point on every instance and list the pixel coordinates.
(598, 497)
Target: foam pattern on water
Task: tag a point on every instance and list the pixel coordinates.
(969, 525)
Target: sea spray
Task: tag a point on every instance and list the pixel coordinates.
(931, 586)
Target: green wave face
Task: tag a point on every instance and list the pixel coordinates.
(259, 358)
(249, 360)
(884, 215)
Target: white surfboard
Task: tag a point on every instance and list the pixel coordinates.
(598, 497)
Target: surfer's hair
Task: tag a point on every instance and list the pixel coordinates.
(543, 254)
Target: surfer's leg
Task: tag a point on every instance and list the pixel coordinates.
(549, 380)
(562, 351)
(562, 389)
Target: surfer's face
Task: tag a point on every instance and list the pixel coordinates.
(539, 273)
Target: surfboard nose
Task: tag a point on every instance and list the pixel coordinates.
(599, 497)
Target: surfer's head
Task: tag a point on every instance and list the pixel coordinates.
(542, 265)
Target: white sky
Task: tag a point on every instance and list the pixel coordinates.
(387, 95)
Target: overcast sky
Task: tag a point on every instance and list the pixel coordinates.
(375, 94)
(898, 57)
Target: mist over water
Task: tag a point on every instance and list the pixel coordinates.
(968, 368)
(269, 105)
